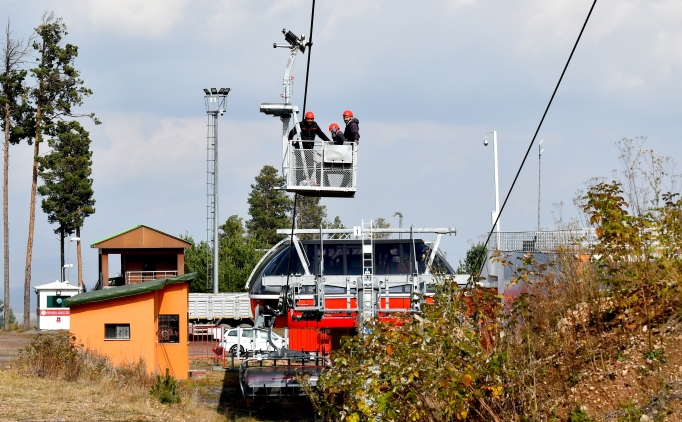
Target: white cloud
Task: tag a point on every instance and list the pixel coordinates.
(132, 18)
(620, 81)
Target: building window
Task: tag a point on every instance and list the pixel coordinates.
(169, 328)
(117, 331)
(55, 301)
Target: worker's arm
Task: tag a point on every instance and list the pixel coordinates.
(321, 134)
(292, 132)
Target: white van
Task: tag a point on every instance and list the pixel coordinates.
(249, 342)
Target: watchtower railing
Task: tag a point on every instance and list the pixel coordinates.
(133, 277)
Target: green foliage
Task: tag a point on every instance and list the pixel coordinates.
(269, 208)
(433, 366)
(473, 259)
(579, 415)
(12, 318)
(238, 255)
(59, 87)
(166, 389)
(381, 223)
(336, 224)
(52, 356)
(15, 110)
(67, 189)
(310, 214)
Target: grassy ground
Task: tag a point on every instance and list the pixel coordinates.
(216, 397)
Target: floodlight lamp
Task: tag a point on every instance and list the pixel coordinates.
(226, 91)
(207, 91)
(221, 91)
(214, 91)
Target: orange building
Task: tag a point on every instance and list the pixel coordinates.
(143, 320)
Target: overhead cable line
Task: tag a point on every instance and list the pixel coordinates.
(484, 256)
(305, 100)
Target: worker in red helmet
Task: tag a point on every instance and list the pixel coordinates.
(352, 131)
(337, 135)
(309, 129)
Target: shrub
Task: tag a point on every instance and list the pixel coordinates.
(165, 389)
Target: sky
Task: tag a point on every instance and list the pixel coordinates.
(427, 81)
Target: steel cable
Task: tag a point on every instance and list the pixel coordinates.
(483, 257)
(305, 100)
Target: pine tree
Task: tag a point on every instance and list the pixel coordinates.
(67, 190)
(473, 259)
(59, 89)
(336, 224)
(381, 223)
(16, 125)
(239, 254)
(310, 214)
(269, 207)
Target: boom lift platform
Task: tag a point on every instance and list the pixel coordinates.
(327, 170)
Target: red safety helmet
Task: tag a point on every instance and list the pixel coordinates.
(333, 126)
(310, 115)
(348, 113)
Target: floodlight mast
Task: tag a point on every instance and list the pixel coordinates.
(215, 104)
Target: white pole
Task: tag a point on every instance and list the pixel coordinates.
(216, 263)
(497, 190)
(540, 150)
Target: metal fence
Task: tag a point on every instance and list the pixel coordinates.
(543, 241)
(206, 342)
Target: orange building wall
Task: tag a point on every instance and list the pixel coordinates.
(141, 312)
(87, 324)
(174, 299)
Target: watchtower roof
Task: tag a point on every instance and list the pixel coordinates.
(141, 237)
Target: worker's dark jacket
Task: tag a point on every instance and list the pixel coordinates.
(308, 132)
(352, 131)
(339, 139)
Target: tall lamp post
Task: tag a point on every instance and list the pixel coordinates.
(64, 276)
(497, 186)
(540, 151)
(215, 104)
(498, 269)
(400, 222)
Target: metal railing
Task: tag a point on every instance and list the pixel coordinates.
(133, 277)
(543, 241)
(332, 167)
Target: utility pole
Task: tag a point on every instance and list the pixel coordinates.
(540, 151)
(496, 213)
(215, 104)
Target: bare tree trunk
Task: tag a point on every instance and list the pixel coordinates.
(5, 213)
(31, 224)
(80, 263)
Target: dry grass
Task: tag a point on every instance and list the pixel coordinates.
(31, 398)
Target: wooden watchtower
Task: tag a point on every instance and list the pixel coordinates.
(146, 254)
